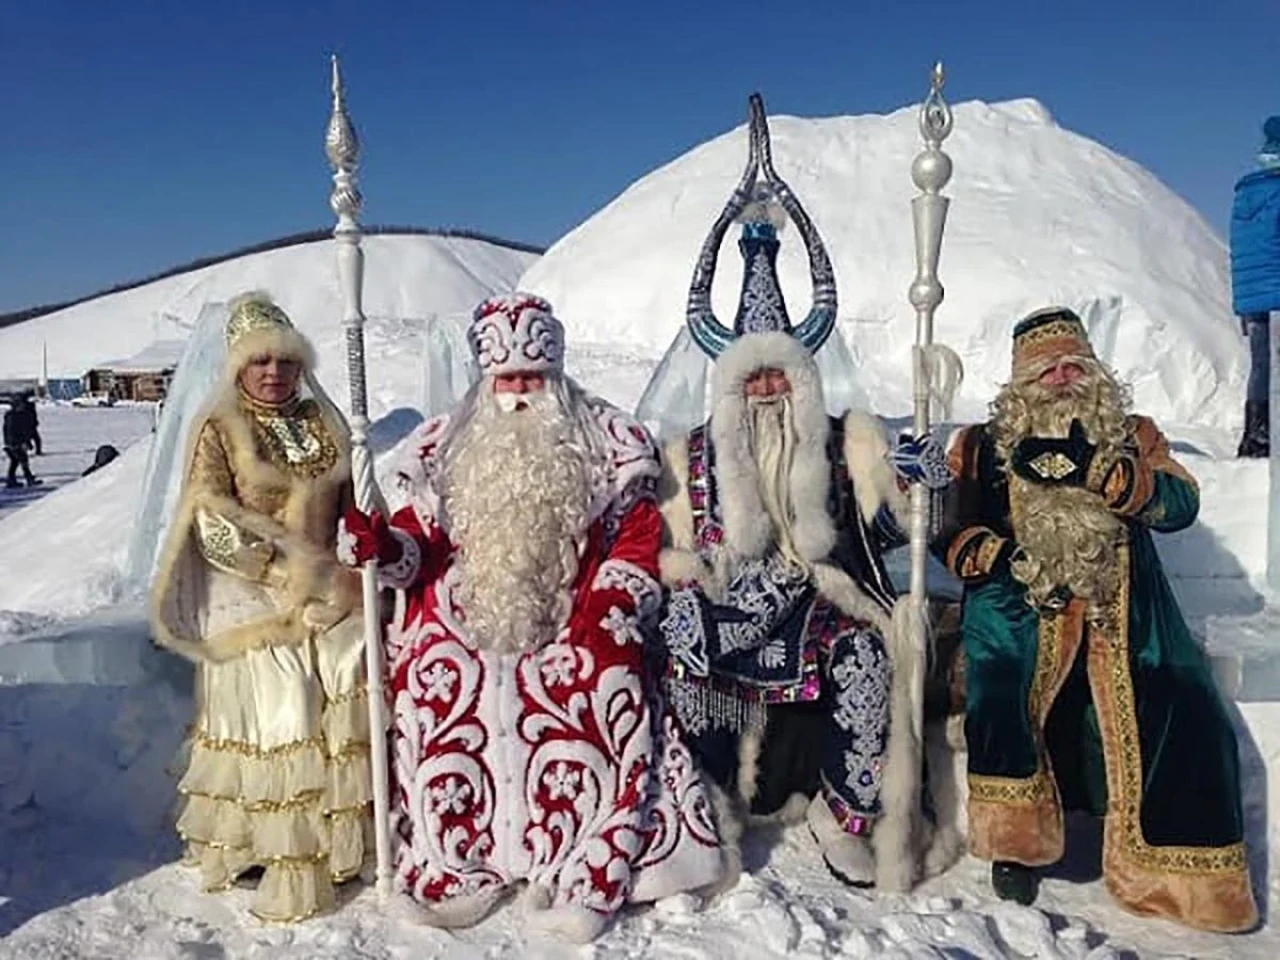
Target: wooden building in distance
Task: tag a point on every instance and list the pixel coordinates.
(144, 377)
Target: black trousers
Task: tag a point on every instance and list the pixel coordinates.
(18, 461)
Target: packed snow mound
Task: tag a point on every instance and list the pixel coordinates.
(407, 279)
(1039, 215)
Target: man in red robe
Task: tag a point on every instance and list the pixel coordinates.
(527, 741)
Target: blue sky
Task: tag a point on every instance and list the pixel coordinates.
(139, 135)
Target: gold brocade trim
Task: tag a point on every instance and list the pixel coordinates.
(348, 751)
(1021, 791)
(355, 809)
(298, 442)
(973, 551)
(359, 693)
(1110, 478)
(1064, 327)
(255, 315)
(1117, 711)
(987, 552)
(280, 860)
(1043, 687)
(252, 750)
(308, 798)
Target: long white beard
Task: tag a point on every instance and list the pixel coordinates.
(773, 444)
(517, 501)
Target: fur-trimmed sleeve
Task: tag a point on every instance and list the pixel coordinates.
(1149, 485)
(678, 561)
(882, 501)
(966, 543)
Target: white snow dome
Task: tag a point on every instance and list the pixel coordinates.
(1039, 215)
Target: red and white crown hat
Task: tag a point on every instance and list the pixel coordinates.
(516, 334)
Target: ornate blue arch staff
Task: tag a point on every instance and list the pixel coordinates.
(343, 148)
(708, 332)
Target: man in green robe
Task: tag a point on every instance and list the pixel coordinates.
(1085, 689)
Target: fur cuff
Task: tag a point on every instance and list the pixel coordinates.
(676, 567)
(464, 910)
(866, 451)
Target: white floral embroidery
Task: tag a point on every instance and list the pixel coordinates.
(451, 796)
(622, 628)
(437, 683)
(623, 575)
(558, 666)
(560, 781)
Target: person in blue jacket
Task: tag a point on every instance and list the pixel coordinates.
(1255, 280)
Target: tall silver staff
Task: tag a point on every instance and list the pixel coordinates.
(936, 369)
(343, 148)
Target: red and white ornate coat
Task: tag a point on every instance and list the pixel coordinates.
(556, 764)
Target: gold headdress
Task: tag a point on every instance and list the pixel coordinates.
(254, 312)
(258, 325)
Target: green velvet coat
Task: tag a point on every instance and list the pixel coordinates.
(1123, 720)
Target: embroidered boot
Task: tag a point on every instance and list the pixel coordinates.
(1014, 881)
(848, 856)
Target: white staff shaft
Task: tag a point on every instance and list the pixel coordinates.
(342, 147)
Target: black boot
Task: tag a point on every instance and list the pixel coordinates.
(1256, 441)
(1013, 881)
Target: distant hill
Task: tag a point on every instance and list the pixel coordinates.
(308, 236)
(408, 278)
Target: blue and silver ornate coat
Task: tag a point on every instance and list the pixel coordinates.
(746, 636)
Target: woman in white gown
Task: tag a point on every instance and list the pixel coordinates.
(247, 587)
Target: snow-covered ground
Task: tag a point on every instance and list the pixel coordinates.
(90, 713)
(71, 435)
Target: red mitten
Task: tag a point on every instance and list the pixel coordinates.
(362, 538)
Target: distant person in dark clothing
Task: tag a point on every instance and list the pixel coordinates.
(18, 438)
(1255, 280)
(24, 408)
(29, 410)
(104, 455)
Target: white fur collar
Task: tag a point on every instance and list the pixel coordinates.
(748, 529)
